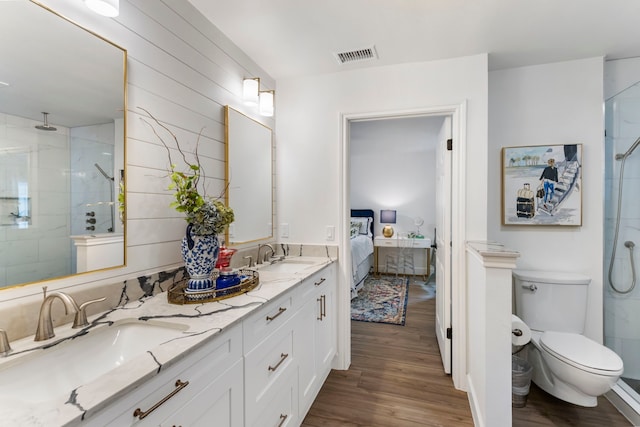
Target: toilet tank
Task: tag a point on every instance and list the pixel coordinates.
(551, 301)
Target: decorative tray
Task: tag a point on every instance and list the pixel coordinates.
(179, 295)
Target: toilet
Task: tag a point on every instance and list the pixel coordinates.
(566, 364)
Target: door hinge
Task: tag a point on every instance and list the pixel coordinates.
(449, 333)
(449, 144)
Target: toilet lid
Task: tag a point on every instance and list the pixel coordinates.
(581, 352)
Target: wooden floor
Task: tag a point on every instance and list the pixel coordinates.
(396, 380)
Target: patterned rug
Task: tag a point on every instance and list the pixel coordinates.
(382, 300)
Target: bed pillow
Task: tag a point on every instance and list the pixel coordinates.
(364, 225)
(355, 228)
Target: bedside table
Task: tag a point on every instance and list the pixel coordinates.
(405, 242)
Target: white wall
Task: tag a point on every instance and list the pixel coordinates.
(183, 70)
(392, 166)
(559, 103)
(310, 182)
(309, 134)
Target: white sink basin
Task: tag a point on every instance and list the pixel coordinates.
(56, 371)
(288, 266)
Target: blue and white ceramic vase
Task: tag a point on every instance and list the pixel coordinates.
(200, 254)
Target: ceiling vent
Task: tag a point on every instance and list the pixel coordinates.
(359, 55)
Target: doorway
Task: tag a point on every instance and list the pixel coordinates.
(456, 114)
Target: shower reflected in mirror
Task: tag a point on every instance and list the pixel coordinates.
(110, 181)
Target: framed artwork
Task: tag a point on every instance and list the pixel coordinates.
(542, 185)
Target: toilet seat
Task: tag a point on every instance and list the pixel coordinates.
(582, 353)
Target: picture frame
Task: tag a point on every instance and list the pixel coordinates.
(542, 185)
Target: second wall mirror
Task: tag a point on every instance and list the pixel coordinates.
(249, 178)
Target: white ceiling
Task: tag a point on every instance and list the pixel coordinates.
(55, 66)
(289, 38)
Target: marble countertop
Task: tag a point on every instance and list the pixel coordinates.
(488, 248)
(202, 322)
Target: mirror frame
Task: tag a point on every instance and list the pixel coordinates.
(238, 164)
(119, 214)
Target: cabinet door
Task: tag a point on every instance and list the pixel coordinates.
(305, 342)
(317, 349)
(281, 409)
(219, 404)
(326, 332)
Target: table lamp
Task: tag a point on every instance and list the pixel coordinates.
(387, 217)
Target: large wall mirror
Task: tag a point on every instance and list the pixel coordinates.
(62, 134)
(249, 178)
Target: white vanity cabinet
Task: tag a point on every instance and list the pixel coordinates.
(204, 387)
(317, 337)
(286, 366)
(265, 370)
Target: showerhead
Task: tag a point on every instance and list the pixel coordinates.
(629, 244)
(629, 151)
(45, 125)
(109, 178)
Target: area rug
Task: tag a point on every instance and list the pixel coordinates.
(382, 300)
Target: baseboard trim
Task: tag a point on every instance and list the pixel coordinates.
(624, 404)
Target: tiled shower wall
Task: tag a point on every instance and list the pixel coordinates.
(62, 187)
(40, 244)
(90, 190)
(622, 311)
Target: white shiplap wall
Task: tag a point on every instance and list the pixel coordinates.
(184, 71)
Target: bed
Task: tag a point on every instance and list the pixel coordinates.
(361, 232)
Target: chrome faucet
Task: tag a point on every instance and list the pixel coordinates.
(45, 324)
(268, 246)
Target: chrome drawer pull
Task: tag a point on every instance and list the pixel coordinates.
(320, 282)
(280, 311)
(320, 301)
(142, 414)
(283, 356)
(324, 306)
(283, 418)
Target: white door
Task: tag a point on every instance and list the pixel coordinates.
(443, 244)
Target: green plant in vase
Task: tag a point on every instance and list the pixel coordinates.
(206, 217)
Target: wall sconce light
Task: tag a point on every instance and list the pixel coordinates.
(251, 91)
(266, 103)
(387, 217)
(109, 8)
(252, 95)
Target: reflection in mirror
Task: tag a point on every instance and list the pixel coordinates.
(249, 178)
(62, 132)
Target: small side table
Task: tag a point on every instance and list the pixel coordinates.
(395, 242)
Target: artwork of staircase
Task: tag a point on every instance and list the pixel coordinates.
(566, 184)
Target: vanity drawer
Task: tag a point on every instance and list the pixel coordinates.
(267, 366)
(313, 283)
(280, 410)
(266, 320)
(200, 368)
